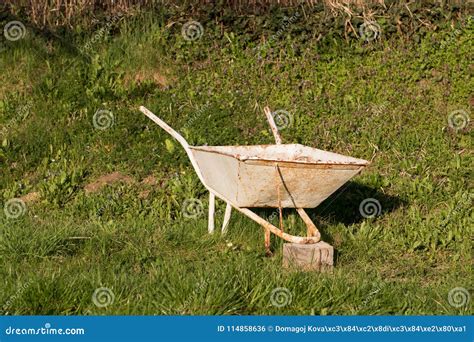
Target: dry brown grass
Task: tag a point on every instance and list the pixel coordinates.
(150, 75)
(53, 13)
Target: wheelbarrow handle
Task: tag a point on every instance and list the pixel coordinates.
(181, 140)
(273, 126)
(165, 126)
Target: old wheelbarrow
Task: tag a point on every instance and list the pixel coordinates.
(275, 176)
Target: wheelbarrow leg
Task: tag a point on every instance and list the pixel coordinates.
(212, 205)
(311, 227)
(268, 251)
(228, 210)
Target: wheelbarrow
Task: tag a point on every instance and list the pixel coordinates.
(269, 176)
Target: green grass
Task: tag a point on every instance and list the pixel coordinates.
(387, 101)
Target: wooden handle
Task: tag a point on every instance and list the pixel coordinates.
(165, 126)
(273, 126)
(181, 140)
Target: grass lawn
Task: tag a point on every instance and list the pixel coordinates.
(69, 116)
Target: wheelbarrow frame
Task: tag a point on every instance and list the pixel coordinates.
(313, 234)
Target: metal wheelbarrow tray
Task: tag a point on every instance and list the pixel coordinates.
(275, 176)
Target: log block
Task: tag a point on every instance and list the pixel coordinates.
(309, 257)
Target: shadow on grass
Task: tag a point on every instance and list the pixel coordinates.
(347, 205)
(351, 202)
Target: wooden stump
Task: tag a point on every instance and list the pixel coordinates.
(311, 257)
